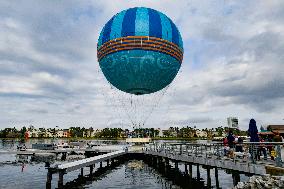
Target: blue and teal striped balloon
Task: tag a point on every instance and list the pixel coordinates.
(140, 50)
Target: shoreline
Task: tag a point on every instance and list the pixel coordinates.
(95, 138)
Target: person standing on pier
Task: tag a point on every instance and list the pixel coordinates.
(226, 147)
(262, 149)
(231, 143)
(239, 145)
(276, 138)
(231, 139)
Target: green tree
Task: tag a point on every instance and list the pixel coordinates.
(23, 132)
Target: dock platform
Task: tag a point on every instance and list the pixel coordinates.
(81, 164)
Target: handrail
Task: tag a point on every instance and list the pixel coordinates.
(252, 152)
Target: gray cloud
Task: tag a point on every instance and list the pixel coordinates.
(49, 74)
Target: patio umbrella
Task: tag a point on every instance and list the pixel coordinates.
(252, 131)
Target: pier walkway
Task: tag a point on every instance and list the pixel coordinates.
(71, 166)
(250, 161)
(81, 164)
(213, 155)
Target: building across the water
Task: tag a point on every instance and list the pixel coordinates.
(276, 128)
(233, 122)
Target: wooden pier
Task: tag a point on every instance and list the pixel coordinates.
(206, 156)
(80, 164)
(210, 157)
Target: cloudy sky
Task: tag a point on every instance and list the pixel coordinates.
(233, 64)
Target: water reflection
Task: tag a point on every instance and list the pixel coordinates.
(133, 174)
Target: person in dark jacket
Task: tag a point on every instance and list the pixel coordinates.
(231, 139)
(239, 147)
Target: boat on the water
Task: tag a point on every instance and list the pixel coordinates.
(43, 146)
(63, 146)
(77, 144)
(92, 144)
(138, 140)
(22, 147)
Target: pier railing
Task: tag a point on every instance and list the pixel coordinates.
(252, 152)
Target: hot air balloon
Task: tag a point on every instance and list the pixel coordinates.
(140, 51)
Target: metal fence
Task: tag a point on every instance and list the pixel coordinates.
(252, 152)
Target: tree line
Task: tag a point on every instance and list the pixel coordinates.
(184, 132)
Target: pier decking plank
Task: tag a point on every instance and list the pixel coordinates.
(71, 166)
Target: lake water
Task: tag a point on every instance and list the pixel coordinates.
(125, 176)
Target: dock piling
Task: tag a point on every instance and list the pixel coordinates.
(190, 170)
(185, 169)
(176, 165)
(236, 177)
(48, 180)
(216, 178)
(91, 169)
(198, 172)
(208, 177)
(60, 180)
(82, 172)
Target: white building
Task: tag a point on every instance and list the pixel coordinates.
(48, 134)
(200, 133)
(233, 122)
(160, 133)
(33, 133)
(91, 132)
(59, 133)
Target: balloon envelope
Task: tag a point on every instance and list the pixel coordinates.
(140, 51)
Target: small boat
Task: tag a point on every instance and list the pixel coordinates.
(43, 146)
(138, 140)
(63, 146)
(22, 147)
(77, 144)
(92, 144)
